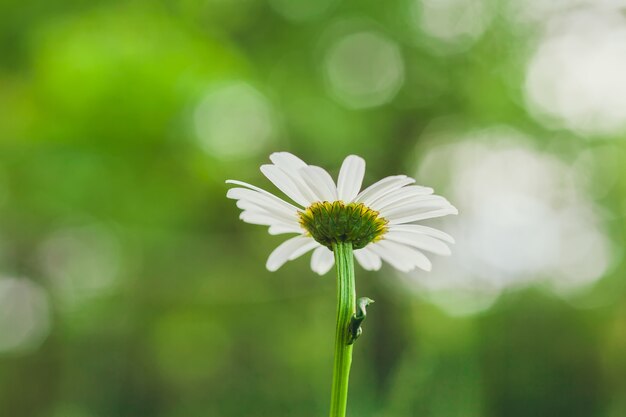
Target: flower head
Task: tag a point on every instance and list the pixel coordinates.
(378, 221)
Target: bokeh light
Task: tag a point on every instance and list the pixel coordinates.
(81, 262)
(455, 23)
(24, 315)
(523, 218)
(539, 11)
(575, 78)
(234, 120)
(364, 69)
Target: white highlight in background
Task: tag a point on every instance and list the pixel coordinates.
(457, 22)
(364, 69)
(523, 218)
(24, 315)
(81, 263)
(234, 120)
(575, 78)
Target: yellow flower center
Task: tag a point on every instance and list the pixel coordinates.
(334, 222)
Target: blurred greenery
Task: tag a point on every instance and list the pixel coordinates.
(147, 296)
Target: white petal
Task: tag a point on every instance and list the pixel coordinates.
(418, 228)
(392, 258)
(285, 251)
(263, 201)
(400, 195)
(278, 229)
(425, 215)
(418, 241)
(312, 244)
(262, 191)
(257, 218)
(350, 178)
(368, 259)
(428, 203)
(291, 165)
(320, 181)
(287, 160)
(264, 219)
(400, 256)
(250, 207)
(322, 260)
(285, 184)
(383, 187)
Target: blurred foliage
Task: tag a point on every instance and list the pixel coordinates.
(158, 300)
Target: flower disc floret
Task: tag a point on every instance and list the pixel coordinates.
(333, 222)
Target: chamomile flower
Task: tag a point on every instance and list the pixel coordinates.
(379, 221)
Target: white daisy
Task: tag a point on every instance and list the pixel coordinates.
(378, 221)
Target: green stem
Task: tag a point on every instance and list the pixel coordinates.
(346, 305)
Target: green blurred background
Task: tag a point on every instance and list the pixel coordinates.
(128, 286)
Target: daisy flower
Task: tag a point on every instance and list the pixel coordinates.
(379, 221)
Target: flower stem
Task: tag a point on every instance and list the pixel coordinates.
(346, 305)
